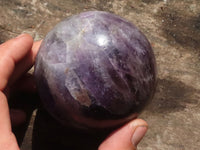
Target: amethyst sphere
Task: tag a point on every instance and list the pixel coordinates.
(95, 70)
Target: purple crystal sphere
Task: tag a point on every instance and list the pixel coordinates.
(95, 70)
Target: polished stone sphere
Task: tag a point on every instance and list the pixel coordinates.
(95, 70)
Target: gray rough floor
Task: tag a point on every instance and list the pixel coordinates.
(173, 28)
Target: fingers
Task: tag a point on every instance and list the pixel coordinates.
(17, 48)
(26, 63)
(127, 137)
(12, 52)
(17, 57)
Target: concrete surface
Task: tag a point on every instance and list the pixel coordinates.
(173, 28)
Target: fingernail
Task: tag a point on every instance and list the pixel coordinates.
(19, 36)
(138, 135)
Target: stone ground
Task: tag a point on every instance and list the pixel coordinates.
(172, 27)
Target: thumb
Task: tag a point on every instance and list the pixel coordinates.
(127, 137)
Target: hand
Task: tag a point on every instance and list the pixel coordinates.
(16, 57)
(127, 137)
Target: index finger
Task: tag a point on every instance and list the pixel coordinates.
(26, 63)
(11, 52)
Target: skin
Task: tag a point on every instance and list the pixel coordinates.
(17, 56)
